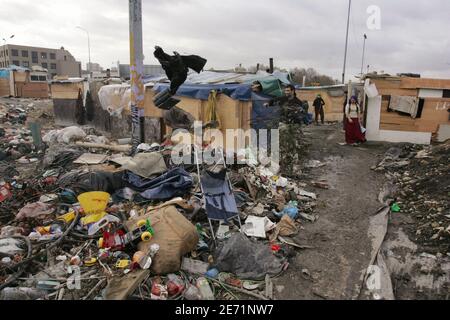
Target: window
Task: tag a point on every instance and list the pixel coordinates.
(44, 65)
(24, 53)
(35, 77)
(25, 64)
(53, 66)
(53, 56)
(65, 58)
(15, 53)
(16, 63)
(43, 55)
(446, 93)
(34, 57)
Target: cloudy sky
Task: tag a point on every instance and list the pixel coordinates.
(297, 33)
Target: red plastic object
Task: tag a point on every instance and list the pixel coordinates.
(275, 248)
(114, 241)
(5, 192)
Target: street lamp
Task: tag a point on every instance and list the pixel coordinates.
(363, 55)
(89, 45)
(4, 47)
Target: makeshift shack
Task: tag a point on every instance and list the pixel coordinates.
(65, 93)
(24, 83)
(232, 104)
(406, 109)
(333, 96)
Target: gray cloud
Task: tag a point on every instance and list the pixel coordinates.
(296, 33)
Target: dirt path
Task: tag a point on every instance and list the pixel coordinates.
(333, 269)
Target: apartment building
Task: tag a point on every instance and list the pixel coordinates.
(58, 62)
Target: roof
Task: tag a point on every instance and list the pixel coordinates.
(236, 85)
(69, 80)
(338, 86)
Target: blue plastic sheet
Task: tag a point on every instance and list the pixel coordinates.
(4, 74)
(173, 183)
(201, 91)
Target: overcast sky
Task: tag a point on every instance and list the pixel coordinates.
(296, 33)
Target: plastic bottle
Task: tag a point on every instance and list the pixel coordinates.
(205, 289)
(192, 293)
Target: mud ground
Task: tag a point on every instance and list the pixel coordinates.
(341, 253)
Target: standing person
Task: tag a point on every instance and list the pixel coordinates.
(353, 133)
(318, 106)
(293, 113)
(344, 117)
(292, 109)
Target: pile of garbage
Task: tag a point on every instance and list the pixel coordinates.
(81, 219)
(421, 176)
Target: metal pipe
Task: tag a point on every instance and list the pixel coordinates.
(89, 47)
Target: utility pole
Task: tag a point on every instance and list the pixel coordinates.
(346, 40)
(363, 55)
(136, 72)
(89, 48)
(271, 65)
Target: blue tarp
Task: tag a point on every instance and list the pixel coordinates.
(201, 91)
(4, 73)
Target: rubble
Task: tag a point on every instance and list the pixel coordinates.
(135, 227)
(421, 175)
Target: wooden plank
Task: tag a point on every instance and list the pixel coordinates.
(392, 87)
(120, 288)
(150, 110)
(334, 106)
(426, 83)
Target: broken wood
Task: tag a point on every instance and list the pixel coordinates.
(246, 292)
(93, 289)
(320, 184)
(122, 288)
(291, 243)
(125, 148)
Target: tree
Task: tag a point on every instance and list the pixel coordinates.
(312, 77)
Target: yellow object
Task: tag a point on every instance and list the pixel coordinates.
(90, 262)
(94, 205)
(100, 242)
(138, 255)
(122, 264)
(92, 218)
(68, 217)
(94, 202)
(43, 230)
(141, 223)
(211, 113)
(146, 236)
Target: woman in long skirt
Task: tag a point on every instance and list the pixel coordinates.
(353, 133)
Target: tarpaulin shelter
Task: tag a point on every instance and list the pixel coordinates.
(407, 109)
